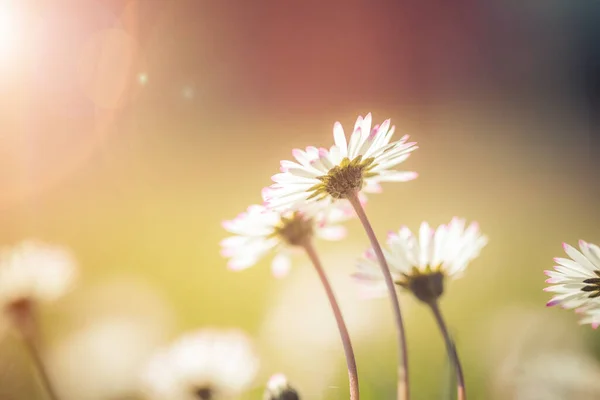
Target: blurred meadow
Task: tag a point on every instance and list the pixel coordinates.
(129, 130)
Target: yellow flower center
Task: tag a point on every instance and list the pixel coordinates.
(343, 179)
(593, 286)
(294, 230)
(426, 285)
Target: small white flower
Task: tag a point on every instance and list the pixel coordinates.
(421, 265)
(278, 388)
(327, 175)
(576, 280)
(260, 230)
(34, 272)
(204, 365)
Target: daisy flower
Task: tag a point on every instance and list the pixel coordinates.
(204, 365)
(31, 273)
(421, 264)
(576, 280)
(278, 388)
(260, 231)
(348, 167)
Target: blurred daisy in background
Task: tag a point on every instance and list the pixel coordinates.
(32, 273)
(103, 360)
(278, 388)
(348, 167)
(114, 327)
(422, 264)
(205, 365)
(533, 355)
(576, 280)
(260, 231)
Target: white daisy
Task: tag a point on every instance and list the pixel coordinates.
(260, 230)
(576, 280)
(204, 365)
(327, 175)
(278, 388)
(421, 265)
(33, 272)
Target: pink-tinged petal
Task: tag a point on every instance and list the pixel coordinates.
(339, 137)
(547, 273)
(565, 246)
(227, 252)
(281, 265)
(552, 303)
(583, 243)
(266, 192)
(227, 224)
(370, 255)
(358, 123)
(595, 325)
(297, 153)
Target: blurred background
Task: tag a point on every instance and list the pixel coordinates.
(129, 129)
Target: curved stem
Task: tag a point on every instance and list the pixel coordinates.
(403, 381)
(452, 354)
(32, 349)
(350, 361)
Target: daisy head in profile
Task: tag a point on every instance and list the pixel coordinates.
(421, 264)
(278, 388)
(208, 364)
(260, 231)
(350, 166)
(575, 280)
(32, 273)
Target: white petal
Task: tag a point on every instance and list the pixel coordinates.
(339, 138)
(334, 232)
(281, 265)
(578, 257)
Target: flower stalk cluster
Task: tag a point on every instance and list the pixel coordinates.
(320, 183)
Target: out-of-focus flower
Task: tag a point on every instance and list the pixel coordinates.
(576, 280)
(530, 354)
(113, 327)
(278, 388)
(321, 175)
(33, 272)
(260, 230)
(420, 265)
(207, 365)
(103, 360)
(557, 376)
